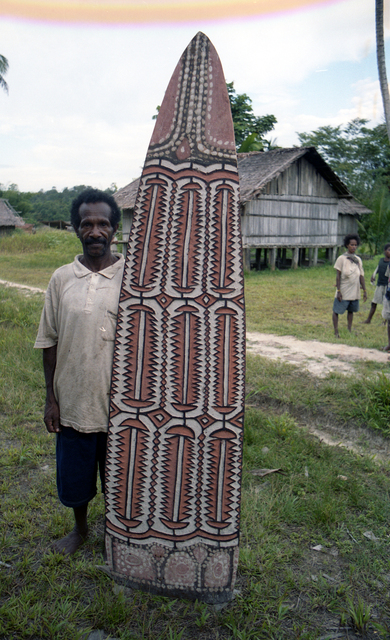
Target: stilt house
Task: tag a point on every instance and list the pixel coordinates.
(290, 199)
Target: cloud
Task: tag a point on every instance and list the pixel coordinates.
(81, 98)
(365, 103)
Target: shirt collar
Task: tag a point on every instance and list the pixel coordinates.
(109, 272)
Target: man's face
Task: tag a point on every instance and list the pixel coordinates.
(95, 230)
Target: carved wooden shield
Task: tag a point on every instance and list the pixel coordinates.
(176, 420)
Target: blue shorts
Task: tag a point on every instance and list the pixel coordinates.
(345, 305)
(78, 457)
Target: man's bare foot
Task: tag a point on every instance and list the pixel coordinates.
(336, 333)
(69, 545)
(387, 348)
(367, 322)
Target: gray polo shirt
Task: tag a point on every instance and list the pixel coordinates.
(79, 316)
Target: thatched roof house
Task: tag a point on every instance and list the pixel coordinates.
(290, 198)
(9, 218)
(258, 170)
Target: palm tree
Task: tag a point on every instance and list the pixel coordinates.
(3, 71)
(380, 54)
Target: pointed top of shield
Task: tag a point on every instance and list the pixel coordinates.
(194, 122)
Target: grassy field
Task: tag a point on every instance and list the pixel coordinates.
(314, 554)
(297, 303)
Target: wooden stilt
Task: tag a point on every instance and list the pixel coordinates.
(295, 258)
(246, 253)
(272, 260)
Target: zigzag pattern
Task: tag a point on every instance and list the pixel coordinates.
(177, 397)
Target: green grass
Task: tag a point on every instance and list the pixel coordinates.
(363, 400)
(31, 259)
(299, 303)
(326, 496)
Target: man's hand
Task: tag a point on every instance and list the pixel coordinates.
(339, 296)
(52, 415)
(52, 410)
(364, 295)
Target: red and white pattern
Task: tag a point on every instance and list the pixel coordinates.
(175, 437)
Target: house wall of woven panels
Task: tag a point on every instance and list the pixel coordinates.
(297, 209)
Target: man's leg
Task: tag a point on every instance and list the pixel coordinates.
(77, 536)
(77, 460)
(372, 311)
(387, 348)
(335, 319)
(350, 319)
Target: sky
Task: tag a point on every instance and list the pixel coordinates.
(82, 94)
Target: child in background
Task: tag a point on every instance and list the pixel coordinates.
(381, 282)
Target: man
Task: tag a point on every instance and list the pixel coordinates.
(382, 282)
(76, 333)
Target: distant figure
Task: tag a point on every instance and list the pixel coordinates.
(381, 282)
(349, 279)
(386, 310)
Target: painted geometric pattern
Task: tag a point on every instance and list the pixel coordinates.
(176, 419)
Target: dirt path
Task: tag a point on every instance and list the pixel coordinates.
(319, 358)
(22, 286)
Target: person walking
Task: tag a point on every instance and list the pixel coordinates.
(381, 284)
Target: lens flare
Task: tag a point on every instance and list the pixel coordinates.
(150, 11)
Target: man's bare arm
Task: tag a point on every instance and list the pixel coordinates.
(52, 410)
(338, 281)
(363, 286)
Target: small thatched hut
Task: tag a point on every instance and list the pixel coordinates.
(9, 218)
(290, 199)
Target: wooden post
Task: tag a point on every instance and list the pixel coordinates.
(310, 256)
(303, 256)
(315, 256)
(295, 258)
(246, 256)
(265, 257)
(334, 254)
(272, 260)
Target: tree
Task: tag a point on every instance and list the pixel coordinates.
(375, 228)
(360, 156)
(248, 128)
(3, 70)
(380, 55)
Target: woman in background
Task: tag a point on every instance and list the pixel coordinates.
(349, 280)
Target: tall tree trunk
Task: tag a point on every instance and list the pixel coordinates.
(3, 71)
(380, 54)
